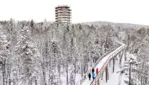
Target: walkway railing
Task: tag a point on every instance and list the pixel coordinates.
(114, 48)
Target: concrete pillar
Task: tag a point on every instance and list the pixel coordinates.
(125, 54)
(121, 56)
(110, 63)
(113, 64)
(102, 75)
(107, 74)
(98, 83)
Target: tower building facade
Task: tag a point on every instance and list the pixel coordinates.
(63, 14)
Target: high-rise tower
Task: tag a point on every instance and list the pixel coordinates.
(62, 14)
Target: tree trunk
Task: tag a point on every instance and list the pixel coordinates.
(3, 78)
(67, 72)
(9, 82)
(44, 75)
(130, 74)
(35, 81)
(141, 81)
(75, 71)
(49, 80)
(4, 73)
(9, 73)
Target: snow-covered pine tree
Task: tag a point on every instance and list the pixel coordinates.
(29, 59)
(4, 56)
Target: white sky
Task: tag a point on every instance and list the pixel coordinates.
(129, 11)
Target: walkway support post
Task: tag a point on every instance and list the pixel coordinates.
(113, 63)
(107, 74)
(102, 75)
(125, 54)
(121, 57)
(98, 81)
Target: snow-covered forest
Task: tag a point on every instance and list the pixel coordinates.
(136, 37)
(138, 45)
(46, 53)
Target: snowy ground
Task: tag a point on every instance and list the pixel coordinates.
(77, 78)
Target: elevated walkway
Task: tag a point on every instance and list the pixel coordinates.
(103, 64)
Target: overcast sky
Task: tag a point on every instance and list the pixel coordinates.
(128, 11)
